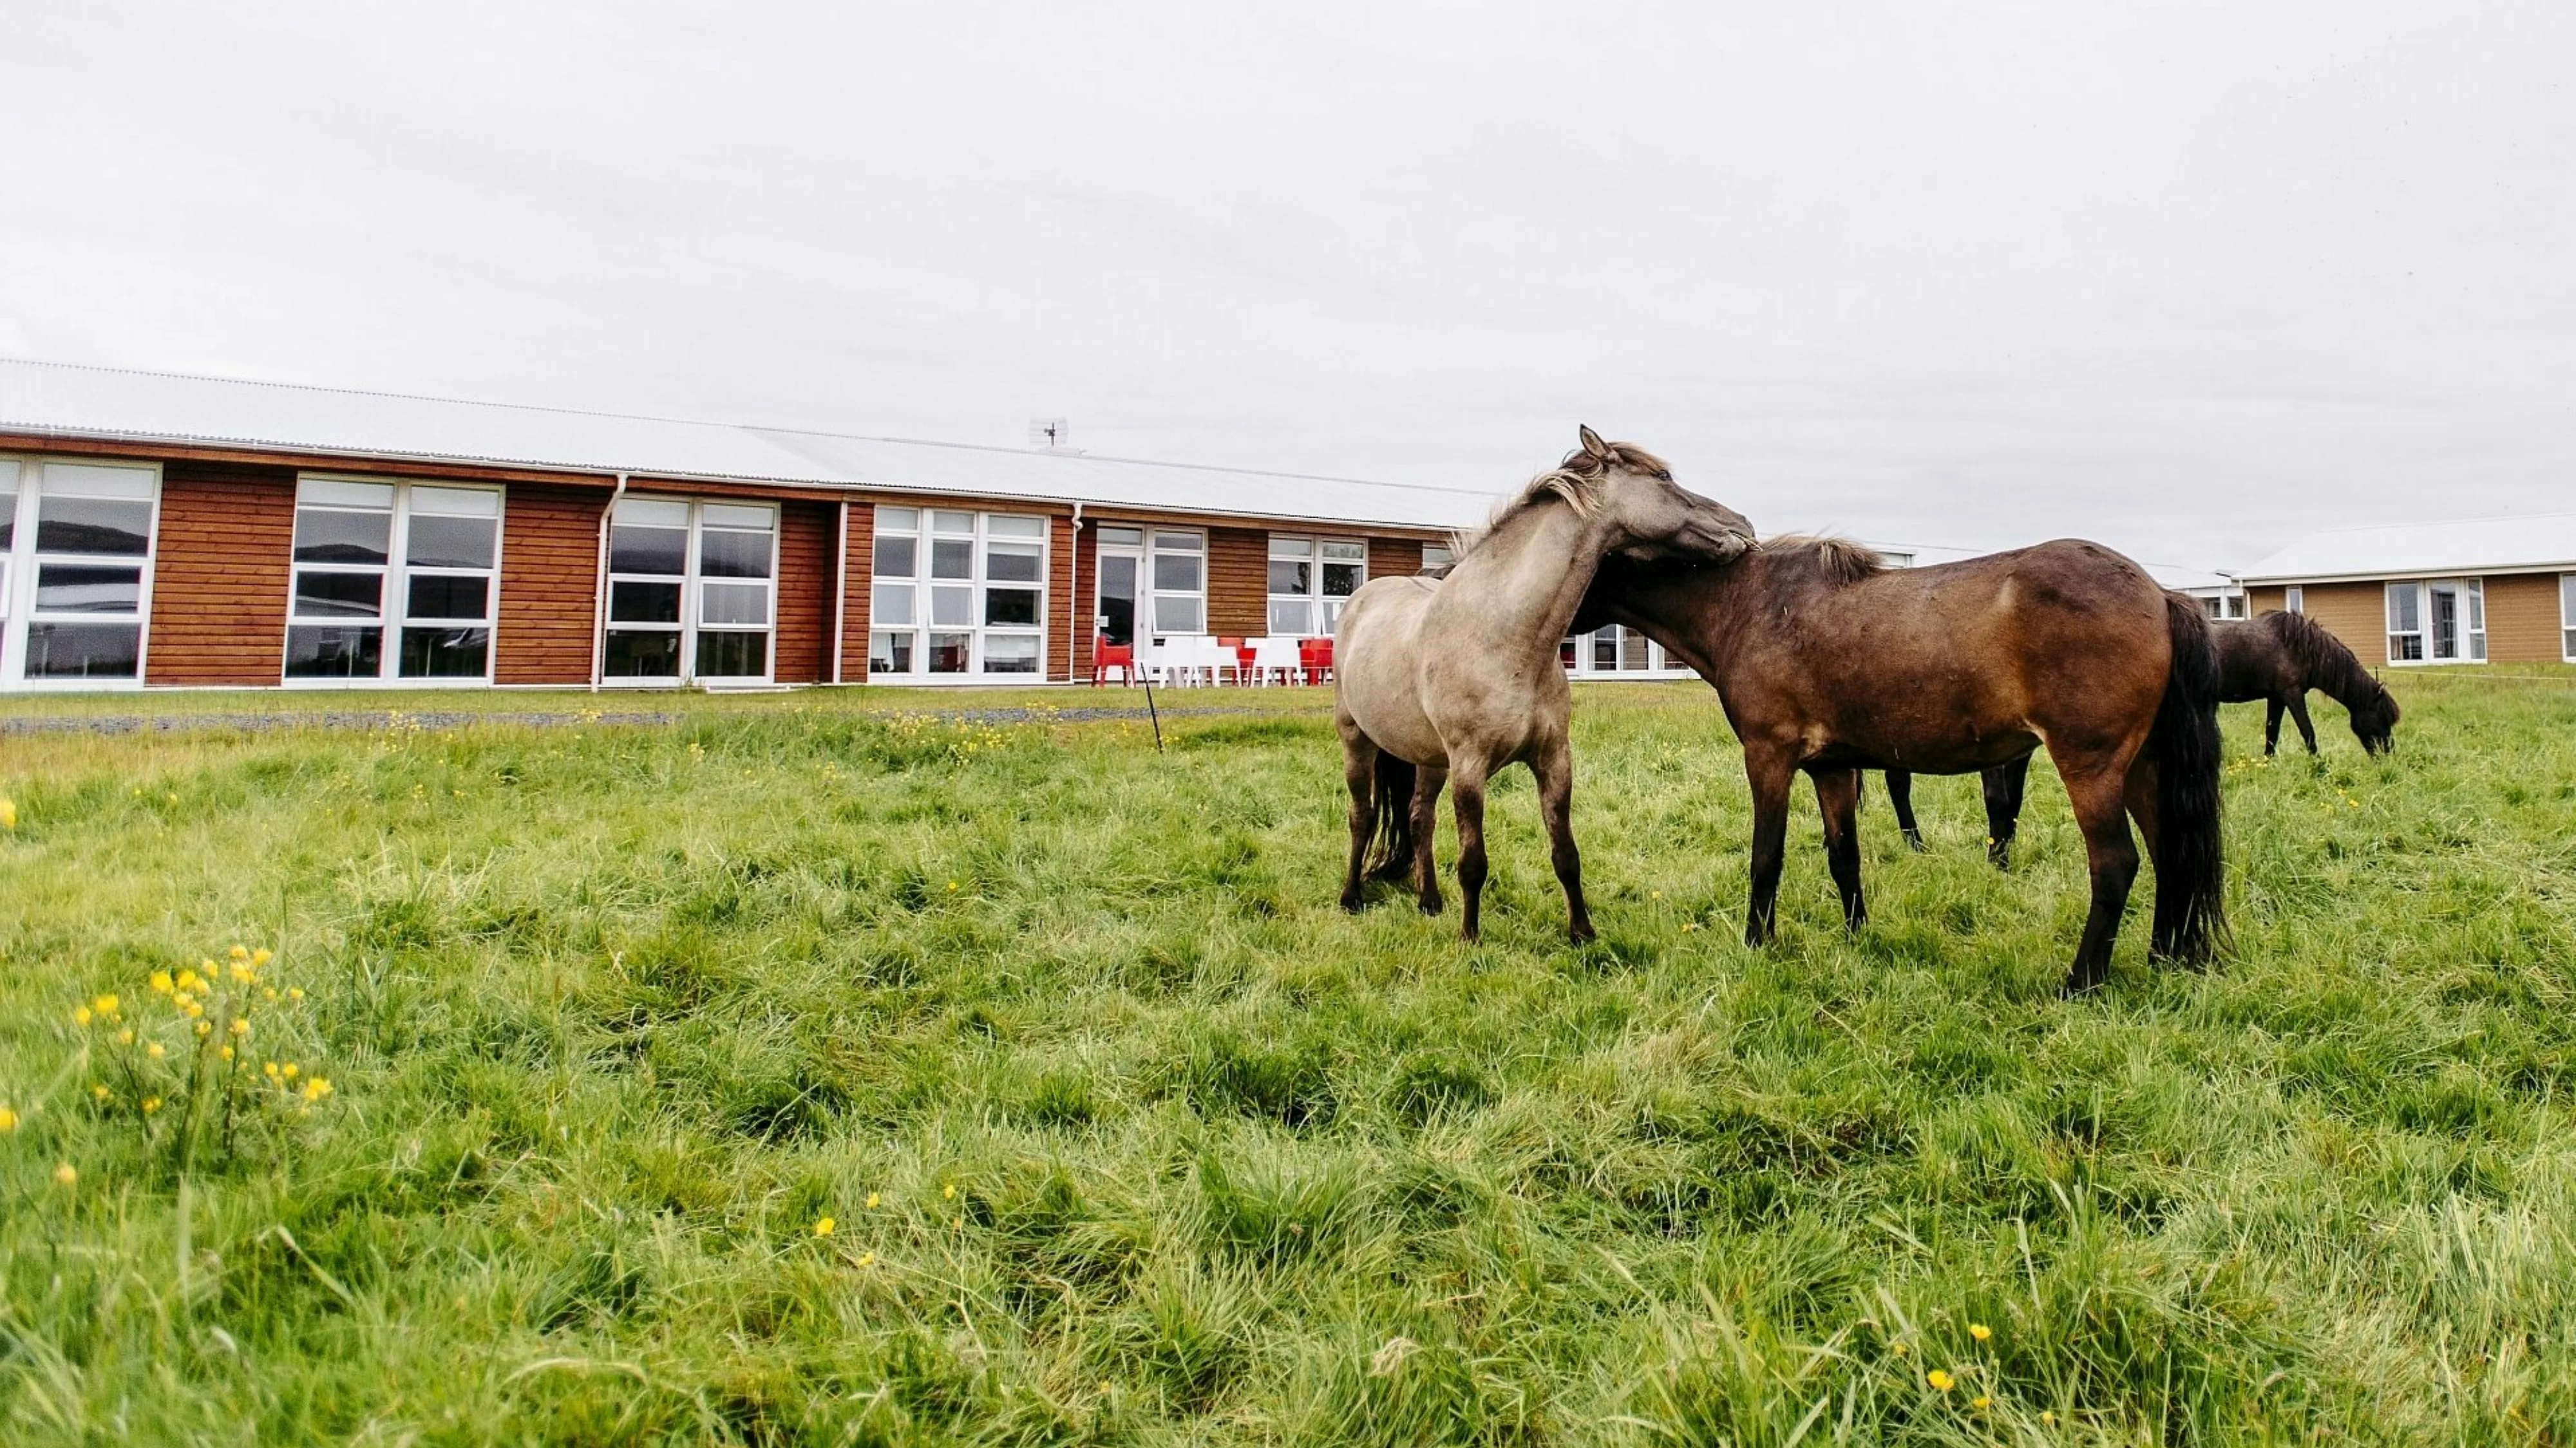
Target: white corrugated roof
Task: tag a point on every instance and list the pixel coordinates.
(106, 403)
(2472, 545)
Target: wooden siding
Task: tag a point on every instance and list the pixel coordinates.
(1086, 596)
(549, 584)
(1394, 557)
(1062, 643)
(862, 523)
(2355, 613)
(1238, 582)
(807, 563)
(219, 574)
(2522, 619)
(2260, 601)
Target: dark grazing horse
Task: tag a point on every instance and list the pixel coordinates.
(2275, 657)
(1828, 662)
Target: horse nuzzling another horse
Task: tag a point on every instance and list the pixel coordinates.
(1829, 662)
(1449, 679)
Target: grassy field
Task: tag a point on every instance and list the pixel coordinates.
(806, 1070)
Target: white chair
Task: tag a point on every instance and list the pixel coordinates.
(1275, 661)
(1209, 662)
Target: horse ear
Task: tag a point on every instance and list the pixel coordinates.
(1592, 442)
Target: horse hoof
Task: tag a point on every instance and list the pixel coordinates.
(1430, 904)
(1350, 904)
(1582, 935)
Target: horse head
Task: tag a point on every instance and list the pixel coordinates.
(2374, 723)
(1631, 493)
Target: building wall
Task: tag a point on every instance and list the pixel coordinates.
(2355, 613)
(549, 584)
(808, 560)
(1394, 557)
(861, 520)
(219, 574)
(2265, 600)
(1238, 582)
(2522, 619)
(1064, 601)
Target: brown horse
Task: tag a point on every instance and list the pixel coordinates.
(1828, 662)
(2275, 657)
(1449, 679)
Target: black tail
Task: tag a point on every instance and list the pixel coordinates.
(2191, 872)
(1394, 856)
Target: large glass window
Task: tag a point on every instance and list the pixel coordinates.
(2294, 599)
(1436, 556)
(1310, 579)
(2440, 621)
(75, 567)
(393, 581)
(2567, 617)
(953, 592)
(2405, 623)
(692, 591)
(1153, 580)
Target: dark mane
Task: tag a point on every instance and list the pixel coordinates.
(1841, 561)
(2323, 658)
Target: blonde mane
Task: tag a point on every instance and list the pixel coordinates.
(1577, 481)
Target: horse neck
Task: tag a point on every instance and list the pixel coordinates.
(1529, 575)
(1700, 615)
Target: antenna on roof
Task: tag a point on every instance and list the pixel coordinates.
(1050, 433)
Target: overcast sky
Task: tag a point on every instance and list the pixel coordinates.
(2190, 282)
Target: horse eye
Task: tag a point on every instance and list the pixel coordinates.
(1665, 474)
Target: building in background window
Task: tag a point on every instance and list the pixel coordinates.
(1310, 579)
(692, 592)
(1152, 580)
(2294, 599)
(393, 582)
(955, 594)
(1436, 556)
(75, 571)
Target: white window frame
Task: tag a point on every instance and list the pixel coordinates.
(694, 513)
(393, 608)
(1152, 545)
(1323, 611)
(2294, 599)
(2472, 641)
(927, 528)
(1447, 556)
(2567, 617)
(21, 562)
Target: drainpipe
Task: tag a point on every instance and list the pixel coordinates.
(599, 592)
(1073, 603)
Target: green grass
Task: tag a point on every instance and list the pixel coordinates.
(1129, 1136)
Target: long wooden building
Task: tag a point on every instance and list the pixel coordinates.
(173, 531)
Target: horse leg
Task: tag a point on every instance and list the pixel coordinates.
(2098, 789)
(2002, 785)
(1467, 801)
(1426, 814)
(1554, 766)
(1838, 800)
(2299, 716)
(1900, 795)
(1359, 772)
(1768, 772)
(2271, 724)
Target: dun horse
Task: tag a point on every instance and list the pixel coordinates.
(1454, 678)
(1827, 662)
(2277, 658)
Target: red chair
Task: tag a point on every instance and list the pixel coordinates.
(1317, 656)
(1106, 656)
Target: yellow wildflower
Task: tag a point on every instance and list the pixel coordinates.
(80, 1015)
(98, 1091)
(8, 813)
(268, 1069)
(288, 1070)
(8, 1121)
(155, 1050)
(822, 1226)
(957, 1224)
(269, 994)
(161, 983)
(1897, 1348)
(151, 1104)
(872, 1201)
(317, 1088)
(105, 1005)
(295, 993)
(187, 980)
(228, 1053)
(2047, 1419)
(1980, 1331)
(241, 1026)
(867, 1259)
(192, 1010)
(1941, 1382)
(1981, 1402)
(125, 1037)
(205, 1027)
(65, 1174)
(260, 956)
(949, 1191)
(239, 952)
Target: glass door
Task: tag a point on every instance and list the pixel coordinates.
(1122, 565)
(2446, 621)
